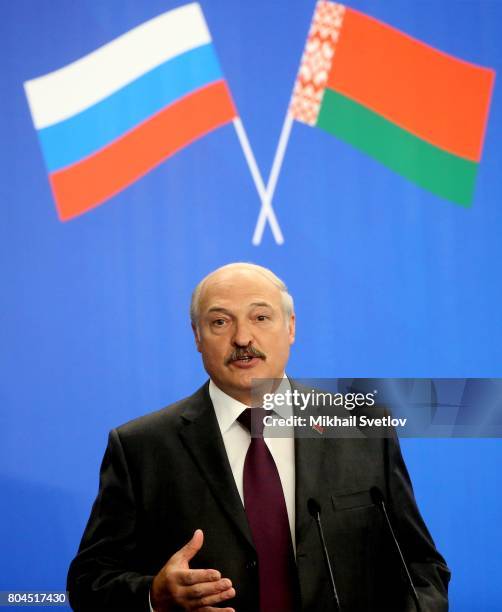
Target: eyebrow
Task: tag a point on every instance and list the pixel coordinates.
(218, 309)
(226, 311)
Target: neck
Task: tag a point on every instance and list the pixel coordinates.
(254, 396)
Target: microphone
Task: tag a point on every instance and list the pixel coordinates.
(315, 512)
(378, 499)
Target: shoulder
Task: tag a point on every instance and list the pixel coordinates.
(166, 419)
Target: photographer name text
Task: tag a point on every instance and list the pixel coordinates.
(332, 421)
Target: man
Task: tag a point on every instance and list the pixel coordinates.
(193, 513)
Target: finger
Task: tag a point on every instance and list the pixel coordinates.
(206, 589)
(196, 576)
(190, 549)
(210, 600)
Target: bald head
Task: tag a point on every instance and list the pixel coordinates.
(240, 269)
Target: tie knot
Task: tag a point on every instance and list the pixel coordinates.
(252, 419)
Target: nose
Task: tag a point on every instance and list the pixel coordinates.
(242, 334)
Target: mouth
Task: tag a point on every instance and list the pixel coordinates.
(244, 358)
(247, 361)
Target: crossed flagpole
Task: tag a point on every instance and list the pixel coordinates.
(266, 211)
(303, 106)
(266, 193)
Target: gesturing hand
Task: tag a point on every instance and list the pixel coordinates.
(176, 585)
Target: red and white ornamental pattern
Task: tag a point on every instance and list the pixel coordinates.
(316, 61)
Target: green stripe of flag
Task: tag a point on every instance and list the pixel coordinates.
(434, 169)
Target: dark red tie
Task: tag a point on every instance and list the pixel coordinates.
(268, 519)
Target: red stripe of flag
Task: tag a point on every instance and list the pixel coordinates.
(439, 98)
(88, 183)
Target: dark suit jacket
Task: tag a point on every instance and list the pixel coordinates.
(167, 473)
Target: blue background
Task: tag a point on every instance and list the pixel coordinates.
(388, 279)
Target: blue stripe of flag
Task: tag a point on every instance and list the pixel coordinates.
(79, 136)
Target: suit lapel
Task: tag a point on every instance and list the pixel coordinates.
(201, 435)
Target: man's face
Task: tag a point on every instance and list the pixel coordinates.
(242, 331)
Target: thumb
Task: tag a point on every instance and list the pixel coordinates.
(191, 548)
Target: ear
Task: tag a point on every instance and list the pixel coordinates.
(292, 328)
(197, 337)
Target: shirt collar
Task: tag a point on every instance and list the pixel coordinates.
(228, 409)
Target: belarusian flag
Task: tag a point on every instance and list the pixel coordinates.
(414, 108)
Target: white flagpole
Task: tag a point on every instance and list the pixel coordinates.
(266, 207)
(272, 181)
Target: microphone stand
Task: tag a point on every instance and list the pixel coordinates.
(315, 511)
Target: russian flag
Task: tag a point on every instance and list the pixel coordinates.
(108, 118)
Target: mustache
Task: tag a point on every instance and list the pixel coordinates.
(249, 351)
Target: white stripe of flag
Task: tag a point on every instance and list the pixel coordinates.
(65, 92)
